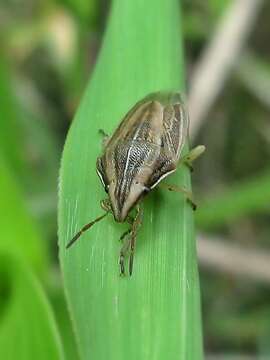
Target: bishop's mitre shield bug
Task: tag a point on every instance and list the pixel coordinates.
(144, 149)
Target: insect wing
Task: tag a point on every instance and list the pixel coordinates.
(134, 125)
(173, 136)
(135, 143)
(175, 127)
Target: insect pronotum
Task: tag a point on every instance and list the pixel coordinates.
(144, 149)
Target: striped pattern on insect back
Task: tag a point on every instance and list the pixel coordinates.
(129, 159)
(138, 147)
(144, 123)
(142, 128)
(175, 125)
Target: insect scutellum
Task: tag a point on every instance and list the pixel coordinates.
(145, 148)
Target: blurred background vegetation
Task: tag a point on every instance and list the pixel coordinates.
(47, 52)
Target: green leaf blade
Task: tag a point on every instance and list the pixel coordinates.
(155, 314)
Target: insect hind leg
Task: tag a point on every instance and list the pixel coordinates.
(192, 155)
(188, 194)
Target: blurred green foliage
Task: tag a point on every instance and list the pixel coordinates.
(86, 11)
(9, 125)
(27, 327)
(19, 233)
(48, 49)
(200, 19)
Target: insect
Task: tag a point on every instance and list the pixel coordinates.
(144, 149)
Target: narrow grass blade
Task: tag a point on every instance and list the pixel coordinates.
(155, 314)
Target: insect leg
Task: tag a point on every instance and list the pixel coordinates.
(135, 226)
(106, 205)
(187, 193)
(83, 229)
(125, 234)
(129, 220)
(123, 252)
(192, 155)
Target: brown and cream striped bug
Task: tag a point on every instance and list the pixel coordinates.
(144, 149)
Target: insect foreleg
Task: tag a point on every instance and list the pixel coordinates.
(192, 155)
(187, 193)
(129, 244)
(83, 229)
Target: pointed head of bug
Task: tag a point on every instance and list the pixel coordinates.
(124, 197)
(124, 188)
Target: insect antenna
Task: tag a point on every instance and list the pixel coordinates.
(83, 229)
